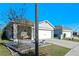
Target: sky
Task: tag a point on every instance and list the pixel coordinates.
(66, 14)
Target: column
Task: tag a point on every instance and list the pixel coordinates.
(15, 32)
(32, 33)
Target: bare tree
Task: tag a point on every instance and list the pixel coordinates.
(14, 15)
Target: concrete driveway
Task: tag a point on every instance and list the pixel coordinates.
(64, 43)
(73, 52)
(74, 46)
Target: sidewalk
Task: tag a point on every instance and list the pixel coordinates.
(73, 52)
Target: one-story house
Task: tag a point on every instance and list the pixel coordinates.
(76, 34)
(18, 29)
(63, 32)
(46, 30)
(25, 30)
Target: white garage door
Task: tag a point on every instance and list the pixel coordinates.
(44, 34)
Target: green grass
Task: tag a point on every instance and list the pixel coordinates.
(4, 41)
(53, 50)
(74, 40)
(4, 51)
(49, 50)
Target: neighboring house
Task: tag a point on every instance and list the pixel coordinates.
(26, 30)
(76, 34)
(62, 32)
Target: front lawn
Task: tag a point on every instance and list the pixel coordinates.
(49, 50)
(53, 50)
(74, 40)
(4, 41)
(4, 51)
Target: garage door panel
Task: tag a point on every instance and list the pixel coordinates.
(44, 34)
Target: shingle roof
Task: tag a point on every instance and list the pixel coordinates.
(62, 28)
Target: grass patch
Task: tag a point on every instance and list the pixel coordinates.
(4, 51)
(74, 40)
(53, 50)
(50, 50)
(4, 41)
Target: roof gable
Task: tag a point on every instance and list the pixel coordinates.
(46, 25)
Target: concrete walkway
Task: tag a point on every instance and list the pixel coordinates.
(73, 52)
(74, 46)
(63, 43)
